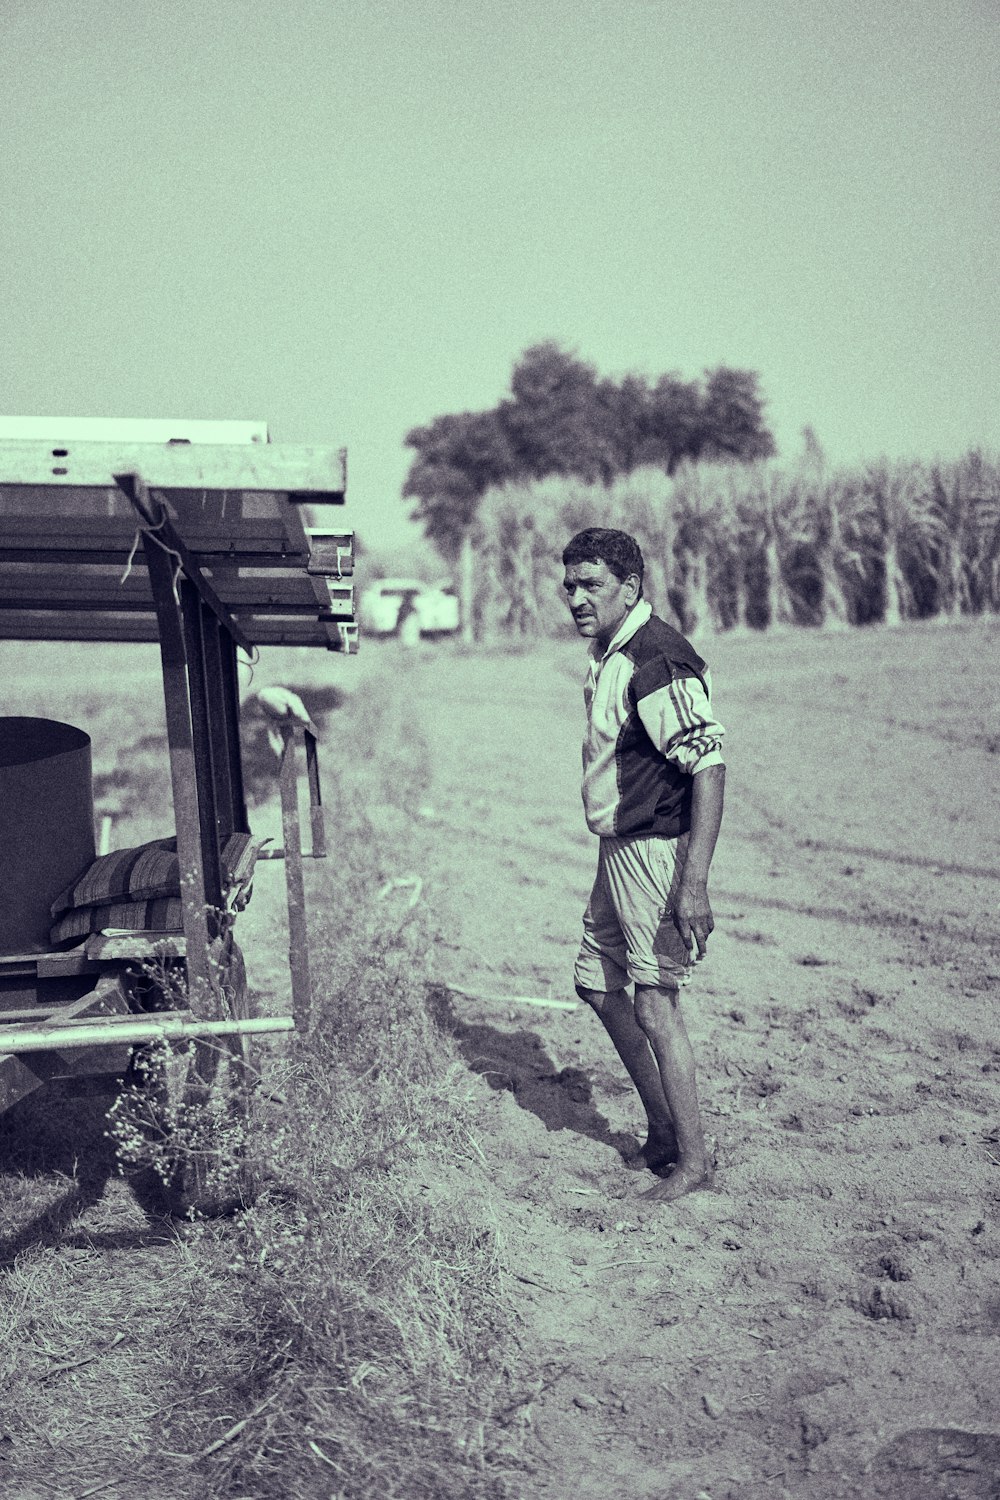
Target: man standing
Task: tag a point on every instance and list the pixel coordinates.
(653, 782)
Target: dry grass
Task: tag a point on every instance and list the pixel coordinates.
(351, 1334)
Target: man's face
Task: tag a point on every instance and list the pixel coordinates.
(598, 601)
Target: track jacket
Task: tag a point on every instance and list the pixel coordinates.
(649, 729)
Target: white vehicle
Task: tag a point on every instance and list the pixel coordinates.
(435, 606)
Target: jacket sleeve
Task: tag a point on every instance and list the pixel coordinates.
(678, 718)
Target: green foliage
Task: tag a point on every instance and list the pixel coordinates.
(757, 545)
(562, 419)
(458, 458)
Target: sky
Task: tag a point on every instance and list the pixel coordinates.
(346, 219)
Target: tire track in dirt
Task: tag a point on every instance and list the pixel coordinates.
(811, 1326)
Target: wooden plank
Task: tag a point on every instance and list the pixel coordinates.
(263, 630)
(129, 430)
(331, 552)
(59, 626)
(103, 946)
(316, 473)
(45, 965)
(20, 1076)
(315, 796)
(230, 697)
(107, 539)
(334, 600)
(87, 588)
(223, 736)
(159, 532)
(26, 1013)
(61, 965)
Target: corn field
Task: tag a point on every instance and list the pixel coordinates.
(756, 547)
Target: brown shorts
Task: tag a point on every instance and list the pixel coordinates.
(628, 927)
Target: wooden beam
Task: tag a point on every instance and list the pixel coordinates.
(264, 630)
(54, 538)
(61, 965)
(331, 552)
(231, 698)
(193, 611)
(315, 796)
(317, 474)
(180, 742)
(148, 946)
(85, 588)
(160, 533)
(20, 1076)
(334, 600)
(129, 430)
(229, 804)
(62, 626)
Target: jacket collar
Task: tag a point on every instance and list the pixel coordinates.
(633, 621)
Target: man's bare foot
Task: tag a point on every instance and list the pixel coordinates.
(658, 1152)
(681, 1180)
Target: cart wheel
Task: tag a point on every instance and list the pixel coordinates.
(199, 1097)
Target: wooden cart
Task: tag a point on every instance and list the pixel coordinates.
(194, 535)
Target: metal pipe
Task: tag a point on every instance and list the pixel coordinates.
(131, 1031)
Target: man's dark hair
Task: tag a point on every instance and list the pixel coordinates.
(599, 544)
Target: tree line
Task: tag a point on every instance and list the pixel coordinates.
(731, 539)
(562, 418)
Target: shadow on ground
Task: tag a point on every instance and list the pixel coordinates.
(517, 1061)
(936, 1463)
(57, 1135)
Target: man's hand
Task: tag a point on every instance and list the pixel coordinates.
(693, 915)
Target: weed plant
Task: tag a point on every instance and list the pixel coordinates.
(373, 1350)
(351, 1334)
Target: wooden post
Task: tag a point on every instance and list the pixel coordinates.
(315, 796)
(298, 948)
(231, 701)
(206, 751)
(227, 819)
(180, 743)
(467, 587)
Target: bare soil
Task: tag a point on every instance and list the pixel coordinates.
(825, 1323)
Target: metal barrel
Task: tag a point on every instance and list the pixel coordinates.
(46, 824)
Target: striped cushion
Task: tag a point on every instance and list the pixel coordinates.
(141, 874)
(162, 915)
(147, 873)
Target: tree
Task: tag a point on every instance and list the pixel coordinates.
(555, 419)
(561, 419)
(625, 411)
(458, 458)
(732, 418)
(675, 423)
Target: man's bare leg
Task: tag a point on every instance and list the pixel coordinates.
(630, 1041)
(658, 1014)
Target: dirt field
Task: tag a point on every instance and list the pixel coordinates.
(824, 1324)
